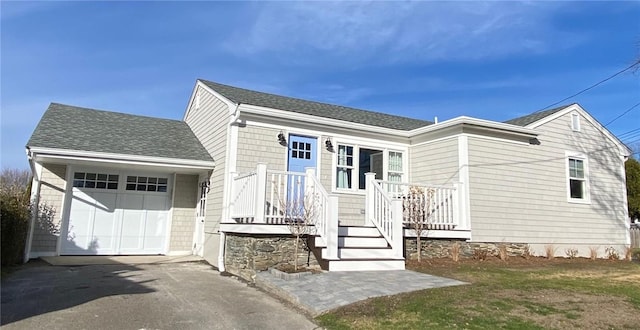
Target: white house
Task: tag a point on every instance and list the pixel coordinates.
(214, 183)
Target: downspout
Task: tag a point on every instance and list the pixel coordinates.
(35, 200)
(227, 190)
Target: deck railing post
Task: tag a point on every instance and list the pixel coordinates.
(369, 199)
(397, 229)
(456, 202)
(261, 189)
(332, 229)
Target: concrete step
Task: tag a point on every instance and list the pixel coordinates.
(364, 265)
(356, 242)
(362, 242)
(359, 231)
(355, 253)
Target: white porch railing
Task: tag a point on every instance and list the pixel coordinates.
(385, 213)
(437, 205)
(243, 198)
(276, 197)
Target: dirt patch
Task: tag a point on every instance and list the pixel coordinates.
(570, 310)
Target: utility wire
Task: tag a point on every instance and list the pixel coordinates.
(593, 86)
(629, 132)
(622, 114)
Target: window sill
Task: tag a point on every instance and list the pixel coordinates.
(579, 201)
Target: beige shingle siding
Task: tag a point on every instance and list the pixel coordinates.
(260, 145)
(52, 190)
(434, 163)
(210, 123)
(183, 215)
(519, 192)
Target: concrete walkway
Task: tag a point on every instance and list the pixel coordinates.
(117, 260)
(320, 293)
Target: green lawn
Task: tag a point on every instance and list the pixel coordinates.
(516, 294)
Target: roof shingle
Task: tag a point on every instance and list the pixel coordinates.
(533, 117)
(74, 128)
(245, 96)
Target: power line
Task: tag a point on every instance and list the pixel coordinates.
(622, 114)
(593, 86)
(631, 131)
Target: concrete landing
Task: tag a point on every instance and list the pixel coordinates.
(117, 260)
(320, 293)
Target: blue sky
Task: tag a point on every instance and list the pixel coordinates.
(490, 60)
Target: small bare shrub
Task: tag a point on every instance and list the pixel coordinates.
(550, 251)
(628, 253)
(526, 254)
(480, 254)
(455, 251)
(612, 254)
(571, 252)
(635, 253)
(503, 254)
(593, 252)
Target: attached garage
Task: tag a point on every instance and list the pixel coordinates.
(114, 184)
(114, 214)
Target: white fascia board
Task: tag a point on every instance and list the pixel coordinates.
(321, 121)
(478, 123)
(120, 158)
(295, 116)
(624, 150)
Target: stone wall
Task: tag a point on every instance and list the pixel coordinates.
(245, 255)
(441, 248)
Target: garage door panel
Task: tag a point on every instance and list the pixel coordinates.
(78, 237)
(105, 223)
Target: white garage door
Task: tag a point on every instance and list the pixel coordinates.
(117, 214)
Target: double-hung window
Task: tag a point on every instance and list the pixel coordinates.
(353, 162)
(578, 179)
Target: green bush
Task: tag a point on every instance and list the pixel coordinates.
(14, 215)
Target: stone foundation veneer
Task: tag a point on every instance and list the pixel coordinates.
(441, 248)
(245, 255)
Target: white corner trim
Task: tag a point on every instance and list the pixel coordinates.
(36, 170)
(66, 207)
(463, 177)
(169, 225)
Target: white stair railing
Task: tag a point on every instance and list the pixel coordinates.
(385, 213)
(326, 213)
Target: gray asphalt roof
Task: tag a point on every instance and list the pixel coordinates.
(245, 96)
(533, 117)
(74, 128)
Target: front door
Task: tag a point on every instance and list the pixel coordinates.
(302, 155)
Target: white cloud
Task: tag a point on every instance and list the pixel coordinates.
(398, 32)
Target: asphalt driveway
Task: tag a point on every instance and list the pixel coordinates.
(164, 296)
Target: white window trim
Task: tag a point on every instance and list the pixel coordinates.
(575, 122)
(587, 190)
(356, 166)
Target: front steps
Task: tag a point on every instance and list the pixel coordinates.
(360, 249)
